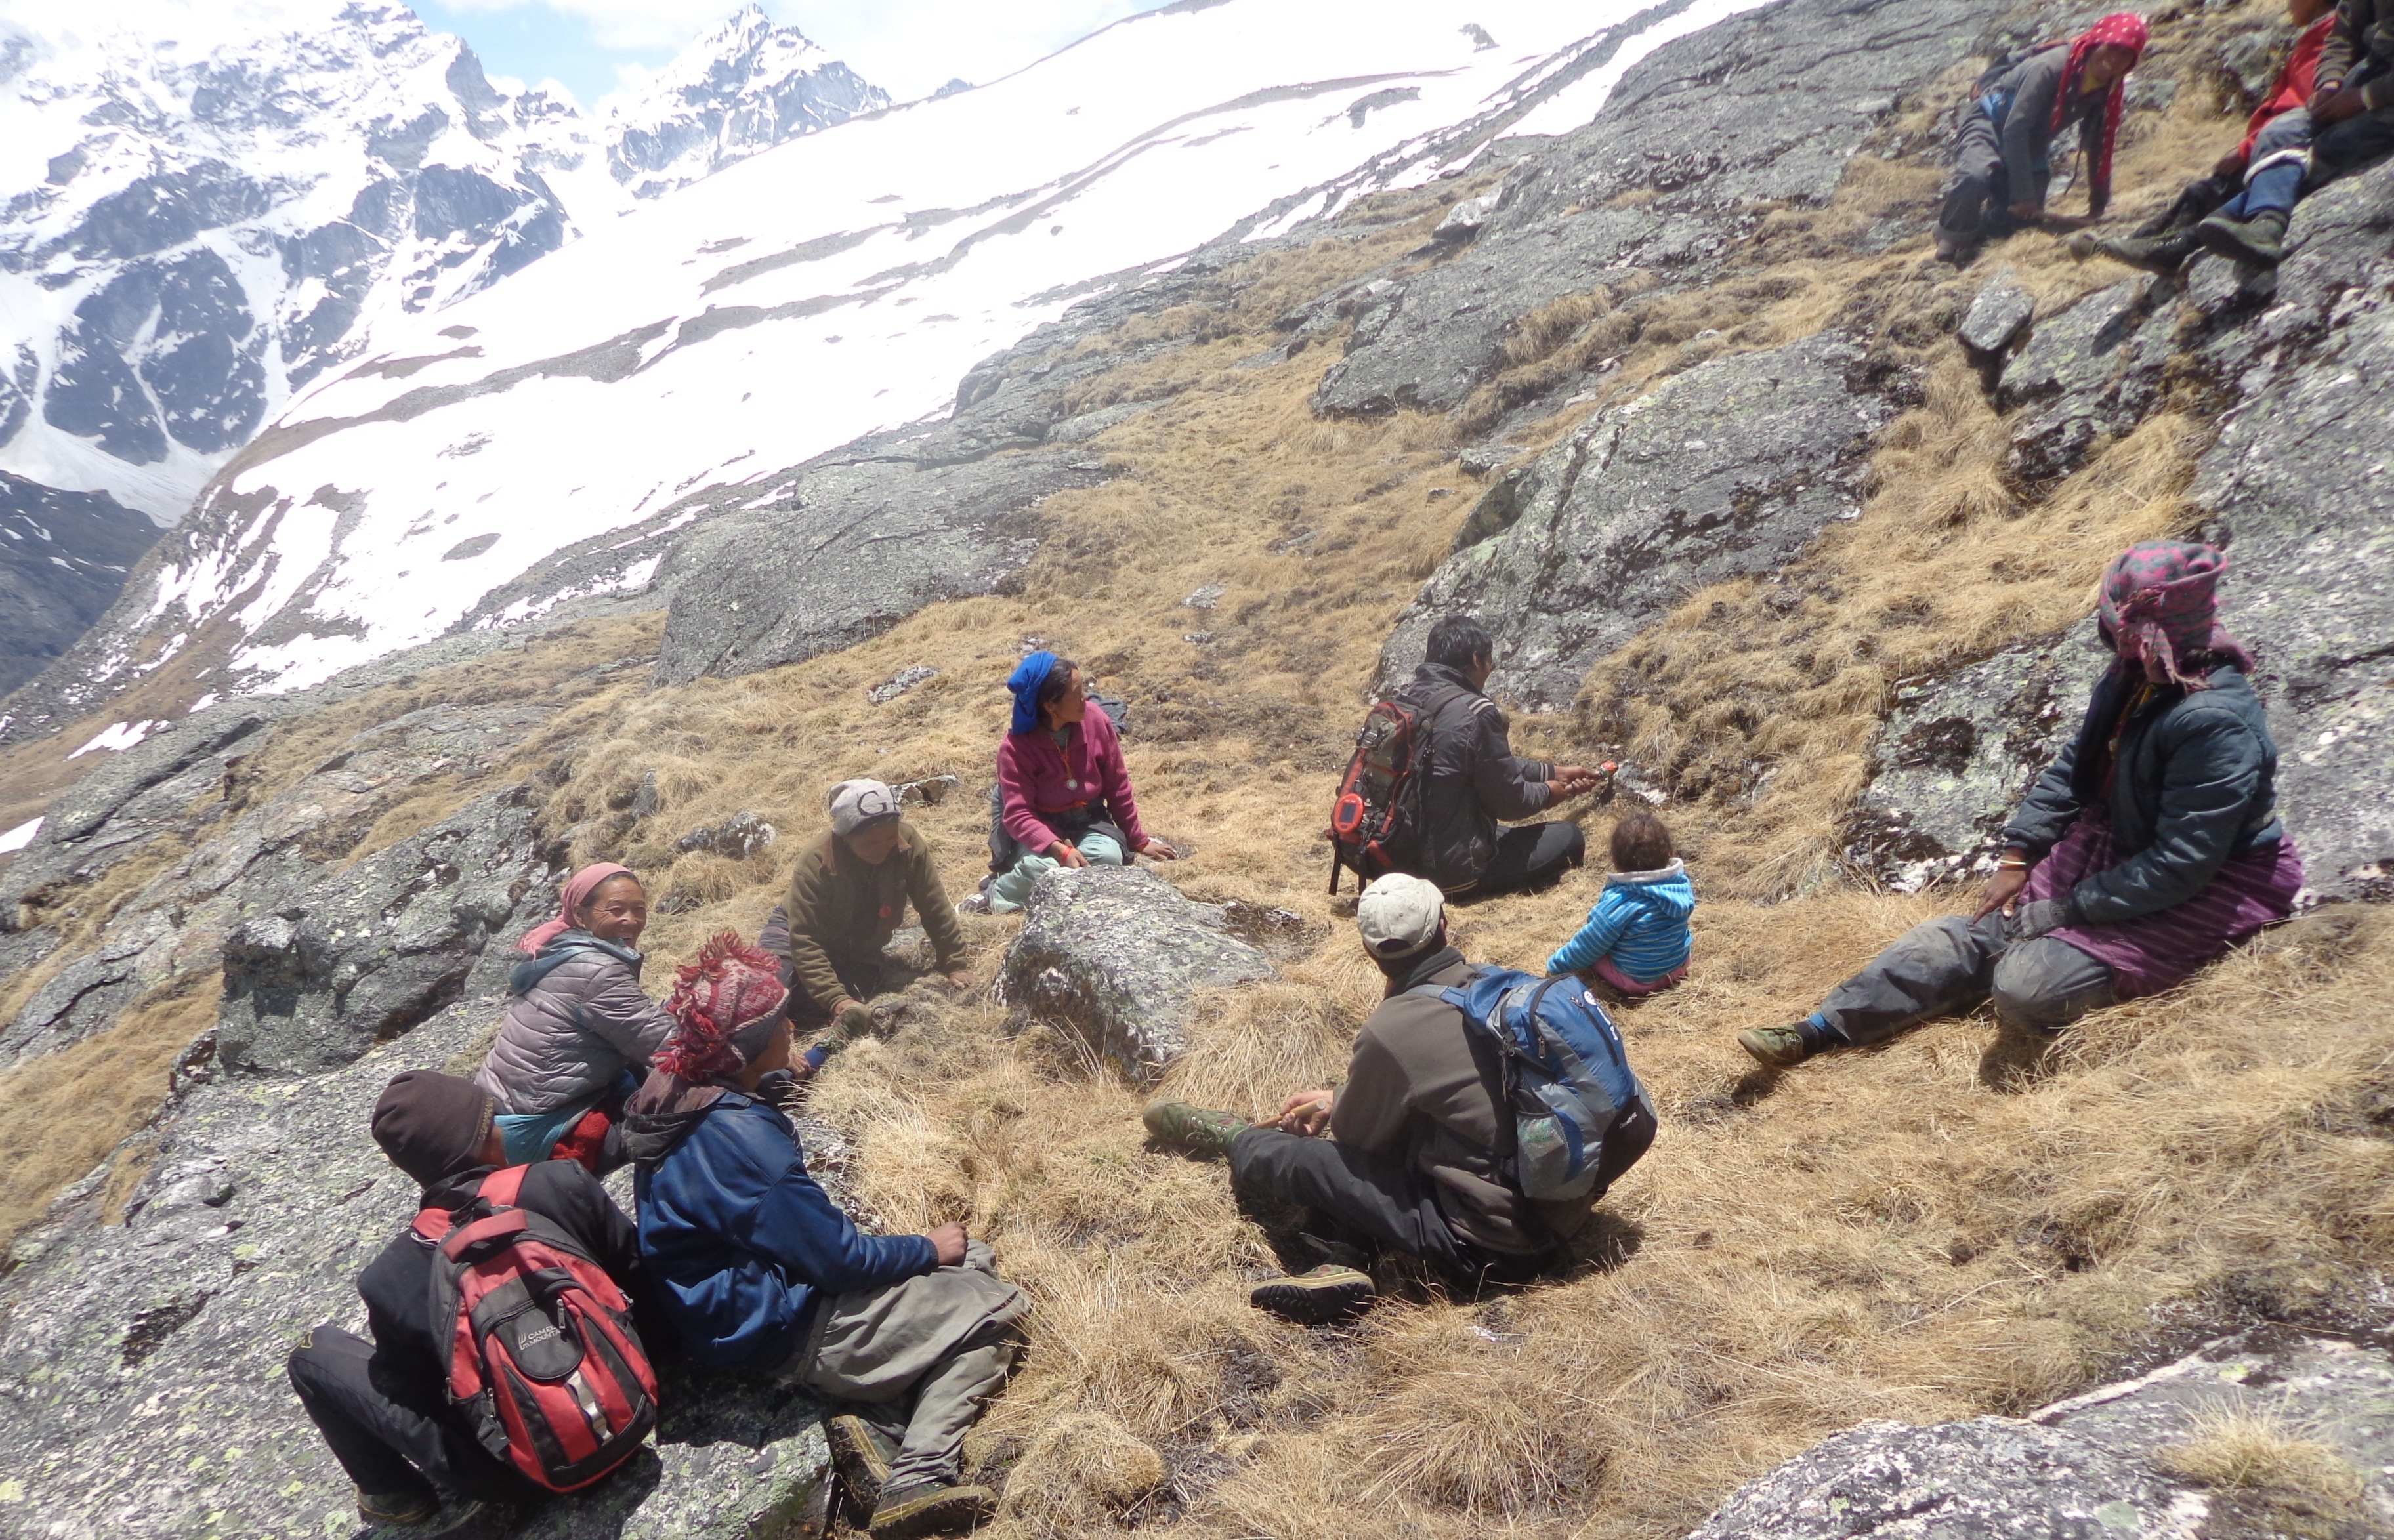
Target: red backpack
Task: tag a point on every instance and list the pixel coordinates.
(1375, 823)
(543, 1357)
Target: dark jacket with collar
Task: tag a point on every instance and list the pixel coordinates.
(739, 1240)
(411, 1357)
(2196, 782)
(1470, 776)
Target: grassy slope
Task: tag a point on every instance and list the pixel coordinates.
(1878, 1235)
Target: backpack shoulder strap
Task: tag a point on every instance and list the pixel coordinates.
(504, 1186)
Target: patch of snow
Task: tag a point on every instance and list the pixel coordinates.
(117, 737)
(20, 836)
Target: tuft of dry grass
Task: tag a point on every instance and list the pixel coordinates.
(2257, 1448)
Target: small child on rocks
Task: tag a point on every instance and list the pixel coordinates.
(1635, 939)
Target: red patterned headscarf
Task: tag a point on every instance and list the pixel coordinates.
(724, 1005)
(2159, 605)
(2127, 29)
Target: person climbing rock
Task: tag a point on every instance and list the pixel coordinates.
(384, 1405)
(2149, 847)
(754, 1267)
(1635, 942)
(579, 1028)
(1470, 778)
(2242, 206)
(1413, 1153)
(847, 897)
(1064, 793)
(2002, 157)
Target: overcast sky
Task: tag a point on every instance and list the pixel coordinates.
(907, 47)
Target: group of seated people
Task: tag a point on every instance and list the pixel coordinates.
(2328, 112)
(2149, 846)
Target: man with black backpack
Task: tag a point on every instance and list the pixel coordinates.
(389, 1408)
(1442, 1142)
(1435, 770)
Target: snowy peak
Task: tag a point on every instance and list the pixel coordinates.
(745, 86)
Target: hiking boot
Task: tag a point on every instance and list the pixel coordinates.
(1192, 1130)
(860, 1453)
(2260, 239)
(1957, 249)
(2162, 254)
(1328, 1293)
(930, 1507)
(476, 1522)
(1781, 1047)
(400, 1509)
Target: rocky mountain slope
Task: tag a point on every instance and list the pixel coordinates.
(203, 208)
(1826, 515)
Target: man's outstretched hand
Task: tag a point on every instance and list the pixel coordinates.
(949, 1242)
(1572, 780)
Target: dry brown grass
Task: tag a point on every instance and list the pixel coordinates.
(2263, 1465)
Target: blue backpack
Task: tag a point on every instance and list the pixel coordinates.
(1567, 1075)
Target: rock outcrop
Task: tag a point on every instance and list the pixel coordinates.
(1728, 469)
(63, 559)
(1116, 953)
(162, 1340)
(2097, 1467)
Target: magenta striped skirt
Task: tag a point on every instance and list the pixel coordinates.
(2160, 951)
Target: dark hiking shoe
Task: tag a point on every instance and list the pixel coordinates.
(402, 1510)
(1192, 1130)
(1957, 249)
(860, 1453)
(476, 1522)
(2162, 254)
(1329, 1293)
(2260, 239)
(930, 1507)
(1781, 1047)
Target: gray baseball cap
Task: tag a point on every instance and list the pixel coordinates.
(857, 805)
(1399, 915)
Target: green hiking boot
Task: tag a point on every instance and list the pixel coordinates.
(930, 1507)
(2260, 239)
(1328, 1293)
(400, 1510)
(2162, 254)
(1780, 1047)
(860, 1453)
(1192, 1130)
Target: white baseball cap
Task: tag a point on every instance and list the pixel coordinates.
(1399, 915)
(861, 804)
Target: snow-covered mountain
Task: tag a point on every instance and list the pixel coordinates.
(839, 283)
(205, 205)
(745, 86)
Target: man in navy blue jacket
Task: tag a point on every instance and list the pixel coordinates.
(756, 1269)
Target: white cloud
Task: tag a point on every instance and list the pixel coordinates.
(624, 26)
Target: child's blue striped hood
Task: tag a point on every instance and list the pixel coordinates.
(1666, 892)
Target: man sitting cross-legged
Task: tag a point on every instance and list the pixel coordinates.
(757, 1269)
(1416, 1157)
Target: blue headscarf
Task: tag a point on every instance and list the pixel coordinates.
(1028, 676)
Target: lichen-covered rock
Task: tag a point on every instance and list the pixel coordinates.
(1996, 316)
(1959, 751)
(85, 996)
(1116, 952)
(318, 971)
(142, 1364)
(2092, 370)
(1730, 469)
(2091, 1468)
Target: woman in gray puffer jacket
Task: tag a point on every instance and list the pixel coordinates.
(579, 1027)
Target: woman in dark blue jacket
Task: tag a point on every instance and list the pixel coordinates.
(757, 1269)
(2149, 846)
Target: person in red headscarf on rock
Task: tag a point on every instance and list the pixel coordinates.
(2002, 156)
(579, 1028)
(2149, 847)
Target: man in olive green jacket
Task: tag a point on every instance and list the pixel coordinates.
(847, 897)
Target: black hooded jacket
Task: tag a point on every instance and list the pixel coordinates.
(1469, 777)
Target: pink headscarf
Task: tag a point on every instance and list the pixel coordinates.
(2159, 604)
(578, 890)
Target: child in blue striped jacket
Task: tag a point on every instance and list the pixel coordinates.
(1635, 938)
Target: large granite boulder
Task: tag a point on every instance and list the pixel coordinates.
(2097, 1467)
(1116, 952)
(1699, 139)
(2092, 371)
(1728, 469)
(318, 971)
(142, 1379)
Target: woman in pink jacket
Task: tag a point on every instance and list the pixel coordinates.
(1064, 797)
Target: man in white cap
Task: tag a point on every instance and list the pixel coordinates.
(1416, 1154)
(847, 897)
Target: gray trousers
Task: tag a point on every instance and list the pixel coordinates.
(1949, 965)
(948, 1338)
(1979, 202)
